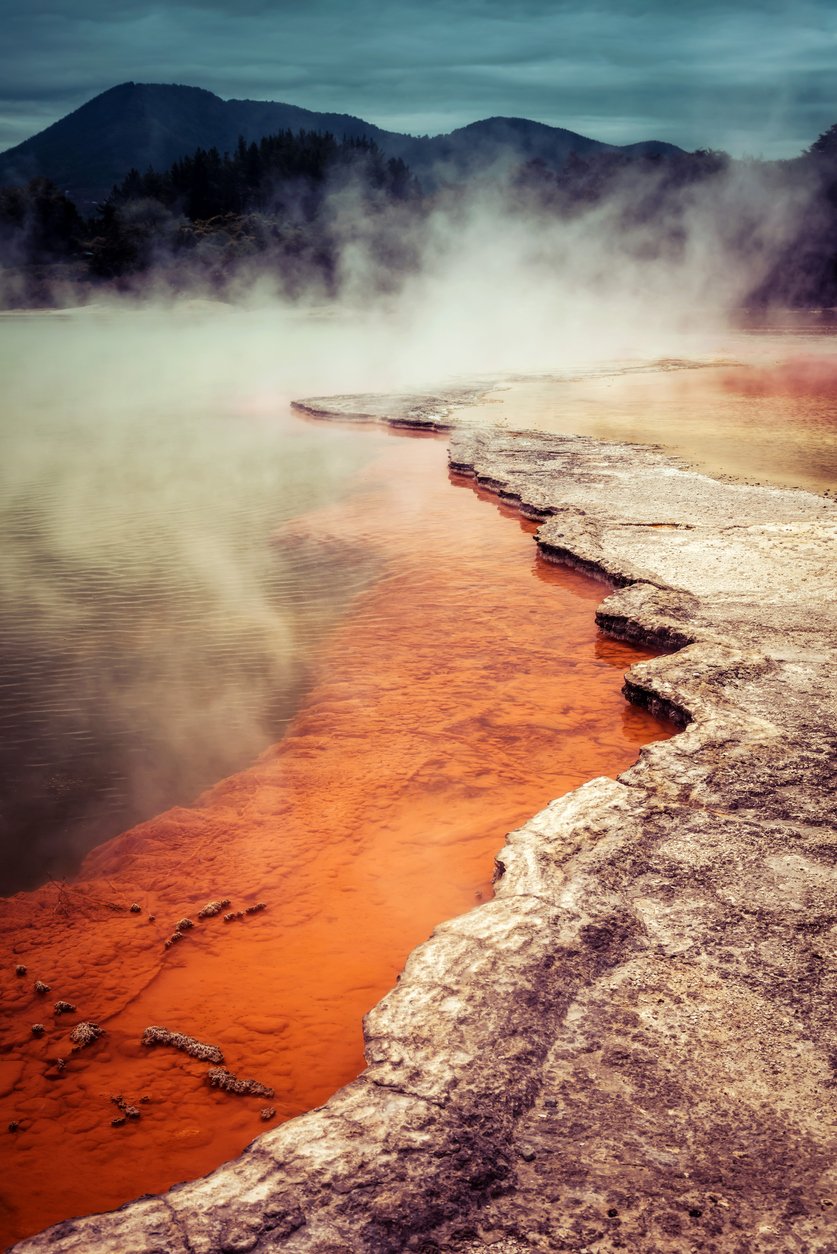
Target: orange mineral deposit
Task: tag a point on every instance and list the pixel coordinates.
(463, 690)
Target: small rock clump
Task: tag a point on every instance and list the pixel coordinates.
(220, 1078)
(85, 1033)
(213, 907)
(257, 909)
(129, 1111)
(233, 915)
(40, 988)
(38, 1029)
(20, 970)
(14, 1125)
(64, 1008)
(183, 925)
(267, 1113)
(173, 939)
(135, 907)
(186, 1044)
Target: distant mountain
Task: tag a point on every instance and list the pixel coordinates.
(505, 140)
(137, 125)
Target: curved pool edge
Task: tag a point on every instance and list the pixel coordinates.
(628, 1045)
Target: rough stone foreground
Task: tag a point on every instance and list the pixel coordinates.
(628, 1049)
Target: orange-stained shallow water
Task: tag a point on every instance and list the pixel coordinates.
(769, 420)
(461, 693)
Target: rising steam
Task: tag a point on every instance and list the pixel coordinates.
(149, 455)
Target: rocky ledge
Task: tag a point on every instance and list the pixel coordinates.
(629, 1047)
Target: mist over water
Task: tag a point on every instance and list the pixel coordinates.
(154, 636)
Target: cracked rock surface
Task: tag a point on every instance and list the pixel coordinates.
(629, 1047)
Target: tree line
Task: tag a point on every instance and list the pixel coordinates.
(291, 200)
(293, 204)
(287, 172)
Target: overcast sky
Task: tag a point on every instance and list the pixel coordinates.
(757, 77)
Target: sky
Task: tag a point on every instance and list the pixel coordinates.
(756, 78)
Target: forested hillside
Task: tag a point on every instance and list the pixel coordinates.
(308, 212)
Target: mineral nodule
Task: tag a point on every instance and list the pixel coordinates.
(220, 1078)
(186, 1044)
(85, 1033)
(213, 907)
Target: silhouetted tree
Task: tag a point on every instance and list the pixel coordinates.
(38, 223)
(826, 144)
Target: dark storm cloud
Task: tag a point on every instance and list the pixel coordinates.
(755, 77)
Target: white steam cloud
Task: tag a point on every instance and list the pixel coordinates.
(148, 451)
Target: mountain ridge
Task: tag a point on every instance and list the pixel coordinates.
(142, 125)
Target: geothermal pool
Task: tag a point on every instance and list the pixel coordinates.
(453, 684)
(362, 662)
